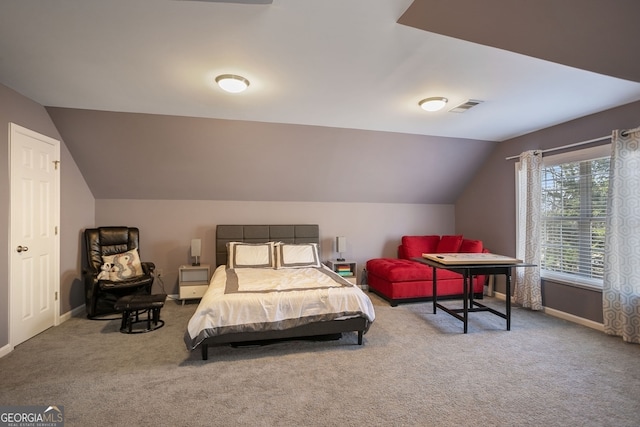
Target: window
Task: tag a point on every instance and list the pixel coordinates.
(573, 209)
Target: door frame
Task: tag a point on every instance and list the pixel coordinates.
(17, 129)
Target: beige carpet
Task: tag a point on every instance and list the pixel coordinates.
(415, 369)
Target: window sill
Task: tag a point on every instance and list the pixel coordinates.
(569, 282)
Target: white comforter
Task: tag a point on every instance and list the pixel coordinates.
(268, 299)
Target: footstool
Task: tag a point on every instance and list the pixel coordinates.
(132, 306)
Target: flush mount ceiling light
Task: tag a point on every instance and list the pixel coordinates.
(433, 104)
(232, 83)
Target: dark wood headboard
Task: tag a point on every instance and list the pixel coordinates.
(296, 233)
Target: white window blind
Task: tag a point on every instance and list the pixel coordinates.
(574, 204)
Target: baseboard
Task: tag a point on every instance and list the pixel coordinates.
(72, 313)
(63, 318)
(81, 310)
(562, 315)
(78, 311)
(499, 296)
(6, 350)
(575, 319)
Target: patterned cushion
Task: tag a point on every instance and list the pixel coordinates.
(124, 266)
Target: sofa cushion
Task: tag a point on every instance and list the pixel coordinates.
(398, 270)
(471, 246)
(415, 246)
(404, 270)
(449, 244)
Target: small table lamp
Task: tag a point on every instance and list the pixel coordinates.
(341, 246)
(196, 245)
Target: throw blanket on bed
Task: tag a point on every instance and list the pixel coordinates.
(253, 300)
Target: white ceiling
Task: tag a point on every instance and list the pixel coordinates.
(336, 63)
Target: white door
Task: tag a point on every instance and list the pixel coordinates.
(34, 243)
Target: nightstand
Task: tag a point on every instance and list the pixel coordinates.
(193, 281)
(347, 269)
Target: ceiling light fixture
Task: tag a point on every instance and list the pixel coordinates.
(433, 104)
(232, 83)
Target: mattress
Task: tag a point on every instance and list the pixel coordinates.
(264, 299)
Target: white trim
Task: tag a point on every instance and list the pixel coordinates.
(562, 315)
(63, 318)
(500, 296)
(13, 130)
(573, 318)
(73, 313)
(571, 280)
(6, 350)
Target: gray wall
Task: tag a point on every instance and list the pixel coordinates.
(76, 204)
(167, 226)
(176, 158)
(486, 208)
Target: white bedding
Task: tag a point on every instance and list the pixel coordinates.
(263, 299)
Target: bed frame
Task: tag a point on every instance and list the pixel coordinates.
(301, 233)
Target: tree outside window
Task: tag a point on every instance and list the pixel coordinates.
(574, 197)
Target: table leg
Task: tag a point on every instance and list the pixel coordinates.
(125, 319)
(435, 293)
(465, 298)
(508, 302)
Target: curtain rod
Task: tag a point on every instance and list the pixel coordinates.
(628, 131)
(576, 144)
(602, 138)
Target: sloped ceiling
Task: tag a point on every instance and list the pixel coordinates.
(336, 63)
(143, 156)
(595, 35)
(345, 75)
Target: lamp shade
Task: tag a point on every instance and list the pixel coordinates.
(433, 104)
(341, 244)
(232, 83)
(196, 247)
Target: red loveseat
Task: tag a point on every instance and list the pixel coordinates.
(403, 280)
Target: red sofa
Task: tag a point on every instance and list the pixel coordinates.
(403, 280)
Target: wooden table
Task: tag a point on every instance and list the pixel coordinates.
(470, 265)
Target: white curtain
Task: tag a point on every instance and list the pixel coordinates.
(621, 286)
(527, 280)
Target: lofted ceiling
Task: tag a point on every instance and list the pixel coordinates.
(356, 64)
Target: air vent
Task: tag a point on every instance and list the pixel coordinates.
(469, 103)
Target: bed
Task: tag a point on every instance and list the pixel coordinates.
(269, 284)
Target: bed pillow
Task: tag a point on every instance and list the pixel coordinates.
(250, 255)
(124, 266)
(449, 244)
(297, 255)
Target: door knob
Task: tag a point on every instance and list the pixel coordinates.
(22, 249)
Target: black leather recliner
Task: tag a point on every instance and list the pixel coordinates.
(101, 295)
